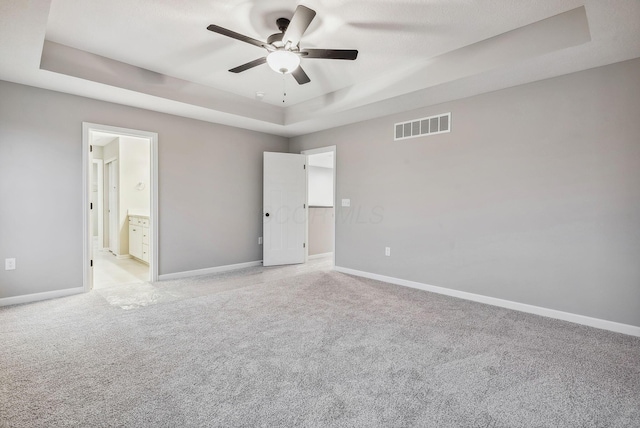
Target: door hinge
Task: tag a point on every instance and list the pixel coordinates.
(304, 166)
(304, 206)
(304, 245)
(90, 148)
(91, 205)
(91, 263)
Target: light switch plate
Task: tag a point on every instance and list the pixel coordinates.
(346, 202)
(9, 264)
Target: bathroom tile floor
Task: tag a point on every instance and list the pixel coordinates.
(109, 270)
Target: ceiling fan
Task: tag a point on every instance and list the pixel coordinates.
(284, 53)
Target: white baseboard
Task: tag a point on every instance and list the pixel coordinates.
(319, 256)
(207, 271)
(138, 260)
(522, 307)
(28, 298)
(123, 256)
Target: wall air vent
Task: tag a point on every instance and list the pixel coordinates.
(425, 126)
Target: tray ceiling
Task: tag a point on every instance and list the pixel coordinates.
(157, 54)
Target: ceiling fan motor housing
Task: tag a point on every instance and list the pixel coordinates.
(275, 39)
(283, 24)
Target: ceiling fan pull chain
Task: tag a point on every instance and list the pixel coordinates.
(284, 88)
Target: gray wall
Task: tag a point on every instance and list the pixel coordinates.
(533, 197)
(210, 187)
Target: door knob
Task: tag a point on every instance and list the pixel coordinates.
(267, 214)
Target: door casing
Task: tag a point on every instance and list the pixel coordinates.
(99, 163)
(87, 248)
(113, 206)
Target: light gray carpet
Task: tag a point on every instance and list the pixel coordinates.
(318, 349)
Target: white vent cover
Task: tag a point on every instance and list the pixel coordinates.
(424, 126)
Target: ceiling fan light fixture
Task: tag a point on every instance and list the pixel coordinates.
(283, 48)
(283, 62)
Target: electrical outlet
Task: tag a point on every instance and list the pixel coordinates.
(387, 251)
(260, 240)
(9, 264)
(346, 202)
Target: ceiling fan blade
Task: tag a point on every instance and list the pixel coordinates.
(298, 25)
(348, 54)
(300, 76)
(234, 35)
(244, 67)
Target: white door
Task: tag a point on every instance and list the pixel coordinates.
(93, 172)
(114, 229)
(284, 209)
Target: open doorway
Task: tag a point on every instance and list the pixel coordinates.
(120, 183)
(321, 185)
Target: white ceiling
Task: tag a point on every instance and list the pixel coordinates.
(157, 54)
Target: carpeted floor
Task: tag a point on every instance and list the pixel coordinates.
(313, 349)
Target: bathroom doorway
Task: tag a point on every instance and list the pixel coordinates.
(121, 188)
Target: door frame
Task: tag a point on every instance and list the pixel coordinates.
(87, 247)
(100, 200)
(112, 176)
(319, 150)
